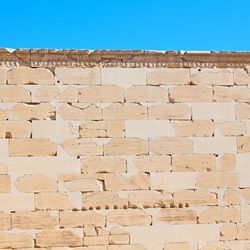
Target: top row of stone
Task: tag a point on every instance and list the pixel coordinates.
(124, 76)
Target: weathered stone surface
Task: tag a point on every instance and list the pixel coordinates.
(11, 93)
(4, 184)
(231, 197)
(69, 94)
(177, 246)
(226, 162)
(15, 240)
(242, 111)
(241, 77)
(243, 144)
(3, 76)
(228, 232)
(46, 93)
(15, 129)
(83, 185)
(5, 222)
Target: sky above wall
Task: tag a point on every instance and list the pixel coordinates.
(126, 24)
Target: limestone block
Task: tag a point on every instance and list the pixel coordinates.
(46, 93)
(119, 239)
(83, 185)
(226, 162)
(241, 77)
(231, 197)
(15, 240)
(5, 222)
(96, 240)
(243, 232)
(243, 144)
(126, 247)
(242, 111)
(4, 184)
(10, 93)
(3, 115)
(228, 232)
(245, 214)
(70, 94)
(15, 129)
(178, 246)
(244, 175)
(246, 194)
(3, 76)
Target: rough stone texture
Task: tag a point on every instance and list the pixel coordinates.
(128, 150)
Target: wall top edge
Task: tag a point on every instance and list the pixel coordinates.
(123, 58)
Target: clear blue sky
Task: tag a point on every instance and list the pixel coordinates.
(128, 24)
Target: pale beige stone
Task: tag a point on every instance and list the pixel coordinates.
(168, 76)
(244, 175)
(3, 76)
(106, 199)
(171, 111)
(3, 168)
(32, 147)
(153, 163)
(231, 94)
(243, 144)
(118, 239)
(15, 240)
(171, 146)
(172, 180)
(27, 75)
(129, 217)
(177, 216)
(101, 94)
(83, 146)
(146, 94)
(228, 232)
(195, 198)
(4, 184)
(226, 162)
(243, 232)
(126, 111)
(80, 111)
(83, 185)
(126, 146)
(10, 93)
(3, 115)
(76, 176)
(54, 129)
(217, 180)
(212, 76)
(46, 93)
(57, 238)
(231, 197)
(193, 128)
(16, 202)
(214, 145)
(126, 247)
(15, 129)
(102, 164)
(96, 240)
(115, 182)
(215, 111)
(241, 77)
(183, 163)
(4, 148)
(245, 214)
(147, 128)
(36, 184)
(221, 245)
(82, 76)
(81, 218)
(190, 94)
(52, 201)
(5, 222)
(102, 129)
(231, 128)
(43, 111)
(123, 76)
(246, 194)
(242, 111)
(178, 246)
(33, 220)
(147, 199)
(70, 94)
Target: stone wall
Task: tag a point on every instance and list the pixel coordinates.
(123, 154)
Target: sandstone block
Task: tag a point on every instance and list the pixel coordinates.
(153, 163)
(146, 94)
(102, 129)
(36, 183)
(4, 148)
(168, 76)
(217, 180)
(228, 232)
(82, 76)
(46, 93)
(178, 246)
(3, 76)
(242, 111)
(3, 115)
(171, 111)
(129, 217)
(116, 182)
(101, 164)
(147, 128)
(5, 222)
(126, 146)
(83, 185)
(80, 111)
(243, 144)
(215, 111)
(80, 219)
(193, 128)
(195, 198)
(33, 220)
(245, 214)
(101, 240)
(212, 76)
(16, 202)
(126, 247)
(126, 111)
(147, 199)
(246, 194)
(4, 184)
(107, 199)
(32, 147)
(101, 94)
(244, 175)
(58, 238)
(82, 147)
(15, 129)
(184, 163)
(52, 201)
(119, 239)
(123, 76)
(27, 75)
(231, 128)
(15, 240)
(231, 197)
(241, 77)
(177, 216)
(69, 94)
(171, 146)
(43, 111)
(243, 232)
(190, 94)
(10, 93)
(214, 145)
(226, 162)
